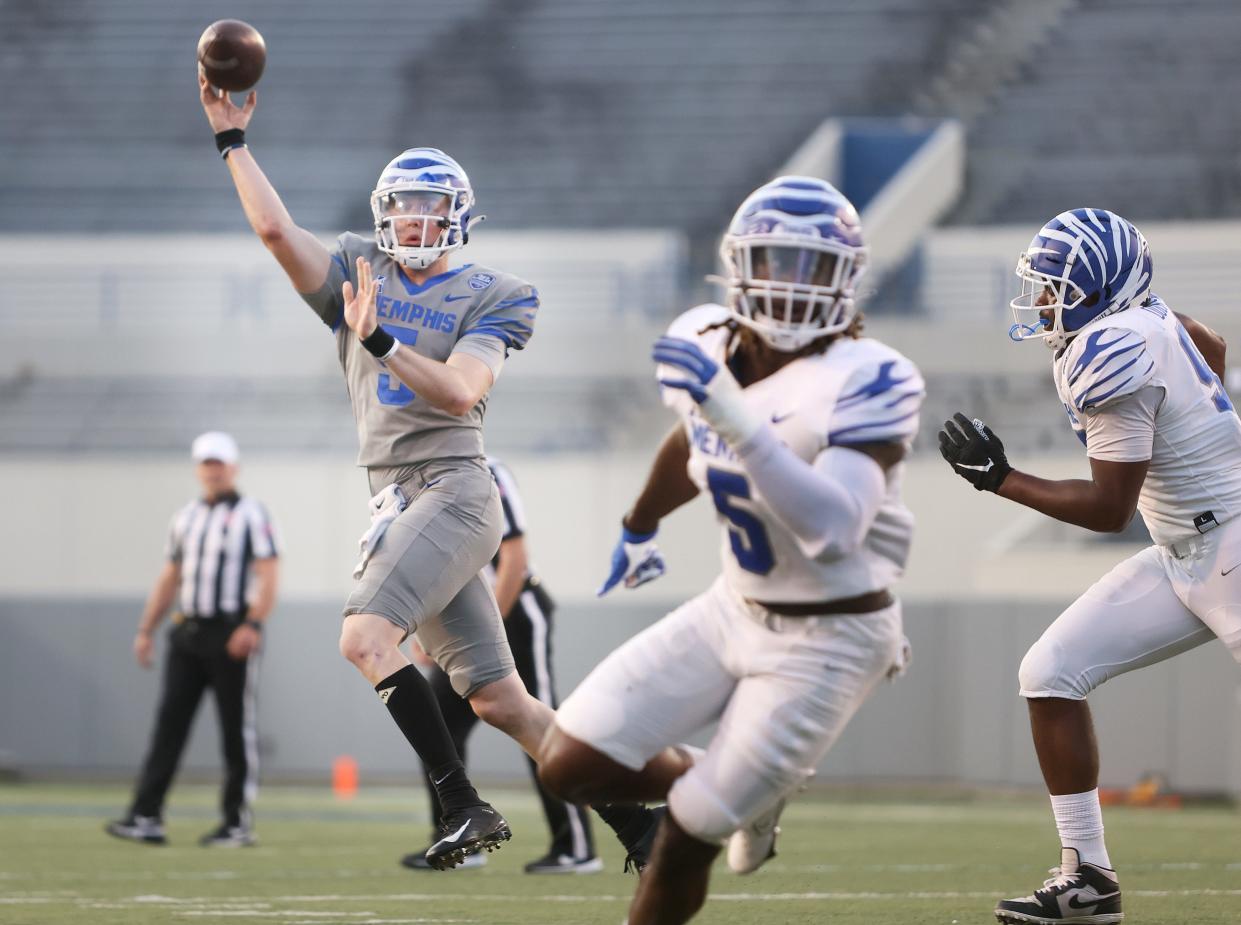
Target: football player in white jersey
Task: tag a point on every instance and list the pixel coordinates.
(796, 427)
(1141, 386)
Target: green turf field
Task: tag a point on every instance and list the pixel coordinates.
(322, 862)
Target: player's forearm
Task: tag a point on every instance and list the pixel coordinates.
(510, 578)
(302, 256)
(441, 385)
(668, 485)
(1073, 501)
(829, 506)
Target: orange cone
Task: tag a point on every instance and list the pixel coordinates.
(345, 777)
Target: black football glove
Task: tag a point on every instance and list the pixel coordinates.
(975, 454)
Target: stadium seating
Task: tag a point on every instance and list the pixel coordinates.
(587, 114)
(1110, 111)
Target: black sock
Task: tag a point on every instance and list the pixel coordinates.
(411, 702)
(628, 820)
(453, 788)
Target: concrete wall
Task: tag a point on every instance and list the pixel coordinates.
(81, 542)
(72, 699)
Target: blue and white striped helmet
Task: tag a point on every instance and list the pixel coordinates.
(1082, 265)
(794, 254)
(422, 207)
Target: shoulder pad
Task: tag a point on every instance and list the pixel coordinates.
(879, 401)
(1104, 366)
(509, 315)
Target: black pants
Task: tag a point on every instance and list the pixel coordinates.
(197, 659)
(529, 629)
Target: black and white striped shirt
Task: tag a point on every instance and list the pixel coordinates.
(510, 505)
(215, 544)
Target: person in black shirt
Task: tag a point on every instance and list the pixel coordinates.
(221, 571)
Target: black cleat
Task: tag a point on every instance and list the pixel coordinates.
(638, 852)
(148, 830)
(229, 836)
(1076, 894)
(417, 860)
(555, 863)
(467, 832)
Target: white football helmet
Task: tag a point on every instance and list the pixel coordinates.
(422, 207)
(794, 254)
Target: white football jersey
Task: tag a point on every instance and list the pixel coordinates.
(857, 391)
(1194, 479)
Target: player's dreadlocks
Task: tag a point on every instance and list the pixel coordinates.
(818, 345)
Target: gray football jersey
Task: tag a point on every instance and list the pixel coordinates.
(467, 309)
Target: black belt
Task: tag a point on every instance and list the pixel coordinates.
(862, 603)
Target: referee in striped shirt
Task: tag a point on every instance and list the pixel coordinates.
(221, 571)
(527, 610)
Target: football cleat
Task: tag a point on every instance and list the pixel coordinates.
(1076, 894)
(229, 836)
(418, 861)
(638, 852)
(467, 832)
(146, 829)
(752, 846)
(553, 863)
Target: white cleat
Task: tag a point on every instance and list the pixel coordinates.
(749, 848)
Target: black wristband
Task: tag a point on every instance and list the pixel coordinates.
(254, 625)
(379, 342)
(228, 139)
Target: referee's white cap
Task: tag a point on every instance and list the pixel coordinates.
(215, 444)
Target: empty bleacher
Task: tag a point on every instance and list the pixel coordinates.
(1126, 105)
(584, 114)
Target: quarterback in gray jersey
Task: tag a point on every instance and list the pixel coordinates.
(421, 344)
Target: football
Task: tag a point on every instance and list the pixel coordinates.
(232, 55)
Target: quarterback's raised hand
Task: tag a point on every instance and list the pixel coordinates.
(221, 111)
(360, 305)
(710, 385)
(974, 452)
(635, 561)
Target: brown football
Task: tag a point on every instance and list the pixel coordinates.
(232, 54)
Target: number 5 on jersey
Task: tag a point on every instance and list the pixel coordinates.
(391, 390)
(746, 533)
(1204, 372)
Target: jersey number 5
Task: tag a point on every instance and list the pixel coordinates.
(391, 390)
(1204, 373)
(746, 533)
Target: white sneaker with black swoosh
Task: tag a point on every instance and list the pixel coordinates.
(1076, 894)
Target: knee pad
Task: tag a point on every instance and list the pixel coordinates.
(1046, 672)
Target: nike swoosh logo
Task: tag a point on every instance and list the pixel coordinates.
(986, 468)
(1231, 570)
(457, 834)
(1090, 902)
(444, 778)
(455, 298)
(777, 418)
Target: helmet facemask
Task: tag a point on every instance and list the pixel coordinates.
(789, 288)
(417, 222)
(1042, 293)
